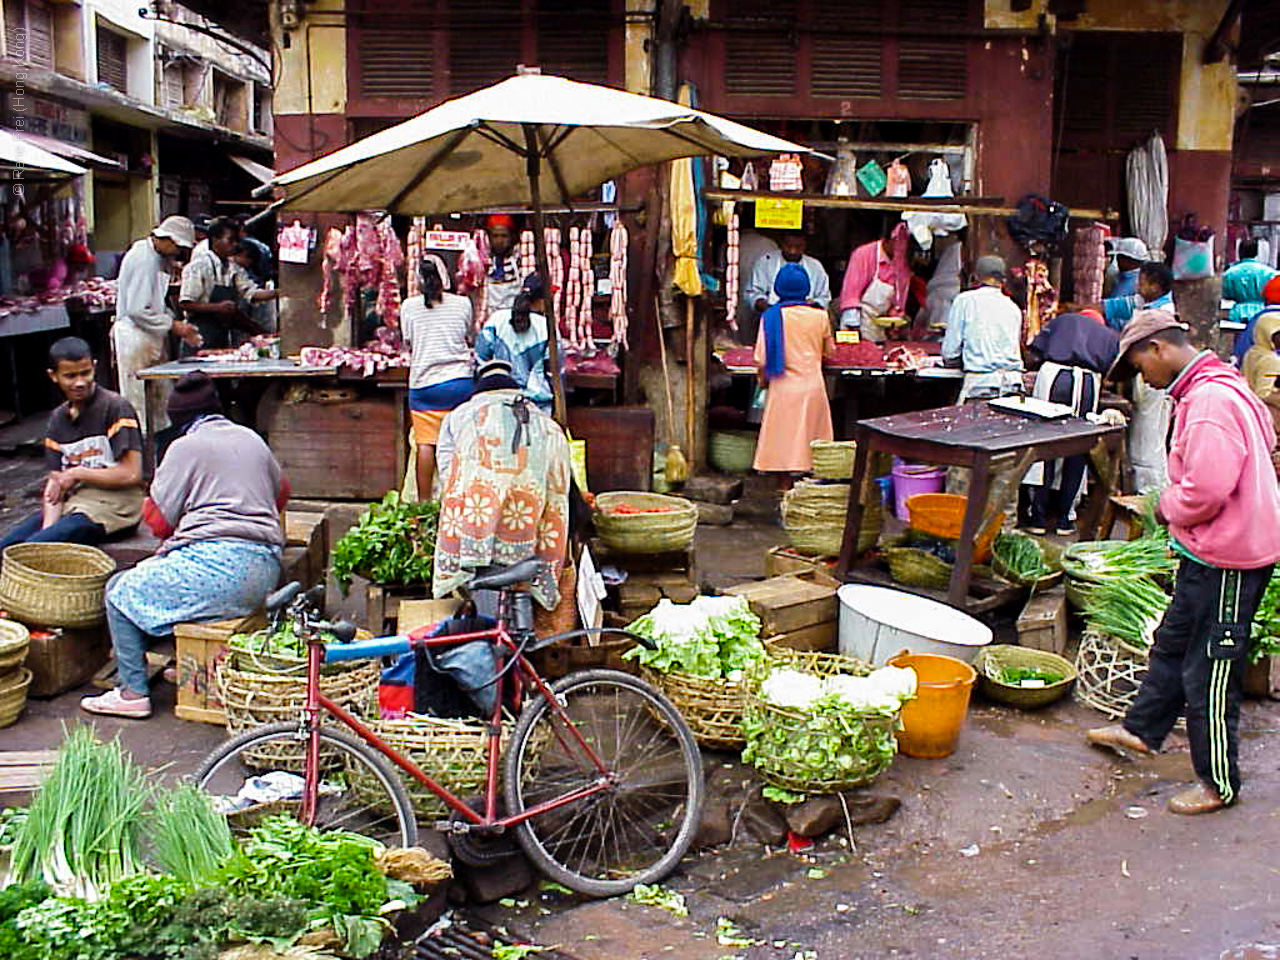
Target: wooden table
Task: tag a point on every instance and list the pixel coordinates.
(976, 436)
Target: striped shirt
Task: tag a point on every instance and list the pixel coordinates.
(440, 339)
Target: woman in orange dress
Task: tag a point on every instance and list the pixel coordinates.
(794, 337)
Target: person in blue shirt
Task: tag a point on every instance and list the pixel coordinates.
(1129, 254)
(1245, 282)
(1155, 292)
(519, 336)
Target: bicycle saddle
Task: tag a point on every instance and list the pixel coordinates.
(495, 578)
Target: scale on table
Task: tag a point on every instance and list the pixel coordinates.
(1032, 407)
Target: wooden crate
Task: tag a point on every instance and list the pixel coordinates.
(783, 560)
(1042, 625)
(61, 659)
(21, 771)
(201, 647)
(411, 614)
(676, 561)
(820, 637)
(790, 603)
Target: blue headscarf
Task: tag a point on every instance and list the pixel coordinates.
(792, 287)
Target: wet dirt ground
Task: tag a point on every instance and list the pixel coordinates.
(1025, 842)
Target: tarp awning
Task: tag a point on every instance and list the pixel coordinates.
(18, 154)
(259, 172)
(68, 151)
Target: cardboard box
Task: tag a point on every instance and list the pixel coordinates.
(1042, 625)
(790, 603)
(62, 659)
(201, 647)
(382, 605)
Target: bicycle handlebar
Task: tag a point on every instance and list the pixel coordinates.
(366, 649)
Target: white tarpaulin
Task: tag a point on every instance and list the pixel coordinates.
(17, 154)
(1147, 168)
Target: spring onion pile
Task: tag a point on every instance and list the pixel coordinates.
(82, 831)
(1127, 609)
(188, 839)
(1147, 556)
(1022, 556)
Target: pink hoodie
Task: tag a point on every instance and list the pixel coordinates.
(1223, 503)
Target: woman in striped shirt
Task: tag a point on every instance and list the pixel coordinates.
(437, 327)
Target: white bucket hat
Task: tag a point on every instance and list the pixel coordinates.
(177, 229)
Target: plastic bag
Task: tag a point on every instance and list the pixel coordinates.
(755, 413)
(899, 184)
(1192, 259)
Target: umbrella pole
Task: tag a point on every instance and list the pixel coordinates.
(533, 164)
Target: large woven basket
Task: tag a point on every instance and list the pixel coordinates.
(813, 516)
(250, 661)
(55, 584)
(14, 643)
(914, 567)
(712, 708)
(774, 766)
(254, 699)
(1053, 561)
(732, 451)
(994, 660)
(833, 459)
(13, 695)
(1108, 674)
(663, 532)
(451, 752)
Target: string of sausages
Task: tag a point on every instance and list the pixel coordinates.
(731, 278)
(618, 283)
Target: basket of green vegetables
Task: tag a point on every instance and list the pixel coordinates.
(1126, 609)
(1022, 677)
(1026, 561)
(281, 649)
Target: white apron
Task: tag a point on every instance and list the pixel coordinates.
(135, 350)
(877, 299)
(1044, 386)
(1148, 437)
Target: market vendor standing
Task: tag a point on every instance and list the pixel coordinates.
(437, 328)
(760, 288)
(503, 282)
(1075, 351)
(794, 337)
(505, 475)
(143, 319)
(519, 336)
(984, 332)
(1220, 507)
(875, 285)
(215, 502)
(1128, 254)
(214, 287)
(1244, 281)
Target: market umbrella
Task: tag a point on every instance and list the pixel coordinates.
(18, 154)
(529, 139)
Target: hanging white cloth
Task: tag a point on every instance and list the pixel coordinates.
(1147, 175)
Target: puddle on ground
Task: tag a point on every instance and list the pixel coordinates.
(1131, 787)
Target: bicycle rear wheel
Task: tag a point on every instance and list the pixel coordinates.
(637, 829)
(358, 789)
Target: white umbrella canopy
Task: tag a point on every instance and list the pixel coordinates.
(16, 153)
(471, 153)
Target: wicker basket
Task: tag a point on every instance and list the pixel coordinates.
(777, 769)
(254, 699)
(813, 516)
(712, 708)
(55, 584)
(1109, 674)
(941, 515)
(732, 451)
(833, 459)
(994, 660)
(1052, 559)
(14, 643)
(645, 532)
(285, 666)
(915, 567)
(13, 695)
(451, 752)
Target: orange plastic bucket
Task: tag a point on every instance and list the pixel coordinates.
(931, 723)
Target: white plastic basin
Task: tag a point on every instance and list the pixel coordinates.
(877, 623)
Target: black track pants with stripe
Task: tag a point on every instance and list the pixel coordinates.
(1198, 662)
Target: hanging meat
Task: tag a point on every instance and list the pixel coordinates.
(390, 259)
(573, 292)
(586, 321)
(527, 254)
(555, 263)
(332, 260)
(413, 253)
(732, 278)
(618, 283)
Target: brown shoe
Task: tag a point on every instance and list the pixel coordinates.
(1201, 798)
(1117, 738)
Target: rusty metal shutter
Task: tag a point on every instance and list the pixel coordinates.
(1148, 68)
(844, 67)
(760, 49)
(40, 34)
(484, 42)
(15, 16)
(113, 59)
(573, 38)
(396, 60)
(1114, 89)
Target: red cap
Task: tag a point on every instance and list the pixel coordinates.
(1271, 292)
(500, 220)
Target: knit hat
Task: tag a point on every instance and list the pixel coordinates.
(533, 286)
(194, 394)
(792, 283)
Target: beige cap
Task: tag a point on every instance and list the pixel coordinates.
(177, 229)
(1144, 324)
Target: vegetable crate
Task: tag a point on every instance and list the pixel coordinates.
(1042, 625)
(201, 649)
(783, 560)
(797, 610)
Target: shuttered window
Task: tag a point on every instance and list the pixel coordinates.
(28, 32)
(1145, 67)
(431, 49)
(936, 67)
(761, 49)
(174, 88)
(113, 59)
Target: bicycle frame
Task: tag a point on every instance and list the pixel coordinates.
(521, 674)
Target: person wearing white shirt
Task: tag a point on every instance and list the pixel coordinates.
(791, 250)
(984, 333)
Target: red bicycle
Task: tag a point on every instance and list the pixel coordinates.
(601, 777)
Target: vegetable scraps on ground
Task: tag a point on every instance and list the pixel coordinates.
(107, 866)
(394, 541)
(712, 637)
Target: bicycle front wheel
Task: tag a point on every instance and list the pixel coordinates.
(637, 829)
(358, 789)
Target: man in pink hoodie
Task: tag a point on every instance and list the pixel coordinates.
(1222, 507)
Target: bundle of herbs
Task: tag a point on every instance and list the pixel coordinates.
(1022, 557)
(394, 541)
(1128, 609)
(1266, 622)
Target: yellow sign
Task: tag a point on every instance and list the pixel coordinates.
(779, 214)
(848, 336)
